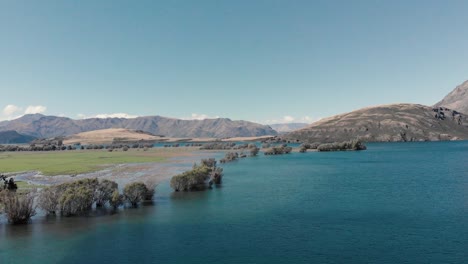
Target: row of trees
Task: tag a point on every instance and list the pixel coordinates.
(199, 177)
(54, 147)
(305, 146)
(342, 146)
(73, 198)
(186, 145)
(232, 156)
(278, 150)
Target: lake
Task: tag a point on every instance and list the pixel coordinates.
(394, 203)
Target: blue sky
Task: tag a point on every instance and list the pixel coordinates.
(264, 61)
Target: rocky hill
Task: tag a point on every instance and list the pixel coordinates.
(52, 126)
(396, 122)
(13, 137)
(457, 99)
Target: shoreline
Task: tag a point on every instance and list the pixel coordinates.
(151, 172)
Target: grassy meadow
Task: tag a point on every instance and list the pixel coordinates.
(77, 162)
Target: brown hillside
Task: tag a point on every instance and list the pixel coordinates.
(396, 122)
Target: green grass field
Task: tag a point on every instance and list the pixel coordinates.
(74, 162)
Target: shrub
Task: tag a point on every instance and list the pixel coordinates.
(216, 176)
(48, 199)
(254, 151)
(19, 208)
(104, 191)
(135, 192)
(116, 200)
(194, 179)
(210, 163)
(230, 156)
(342, 146)
(76, 201)
(150, 191)
(278, 150)
(125, 148)
(76, 197)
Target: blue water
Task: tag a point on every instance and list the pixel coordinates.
(394, 203)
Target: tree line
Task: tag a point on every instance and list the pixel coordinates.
(71, 198)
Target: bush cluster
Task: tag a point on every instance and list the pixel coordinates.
(342, 146)
(19, 208)
(201, 176)
(218, 146)
(230, 156)
(78, 197)
(305, 146)
(279, 150)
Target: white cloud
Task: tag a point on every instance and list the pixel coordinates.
(291, 119)
(199, 117)
(35, 109)
(288, 119)
(12, 111)
(114, 115)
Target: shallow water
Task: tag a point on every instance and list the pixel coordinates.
(394, 203)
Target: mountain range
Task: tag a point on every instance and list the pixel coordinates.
(42, 126)
(288, 127)
(446, 120)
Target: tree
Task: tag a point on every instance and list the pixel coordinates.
(211, 162)
(48, 200)
(9, 184)
(254, 151)
(76, 201)
(135, 192)
(191, 180)
(104, 191)
(216, 175)
(151, 190)
(19, 208)
(116, 200)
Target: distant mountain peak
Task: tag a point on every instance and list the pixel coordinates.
(395, 122)
(288, 127)
(456, 99)
(13, 137)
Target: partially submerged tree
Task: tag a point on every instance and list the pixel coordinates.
(216, 176)
(194, 179)
(342, 146)
(103, 192)
(77, 197)
(230, 156)
(200, 175)
(116, 200)
(48, 199)
(135, 193)
(19, 208)
(278, 150)
(254, 151)
(76, 201)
